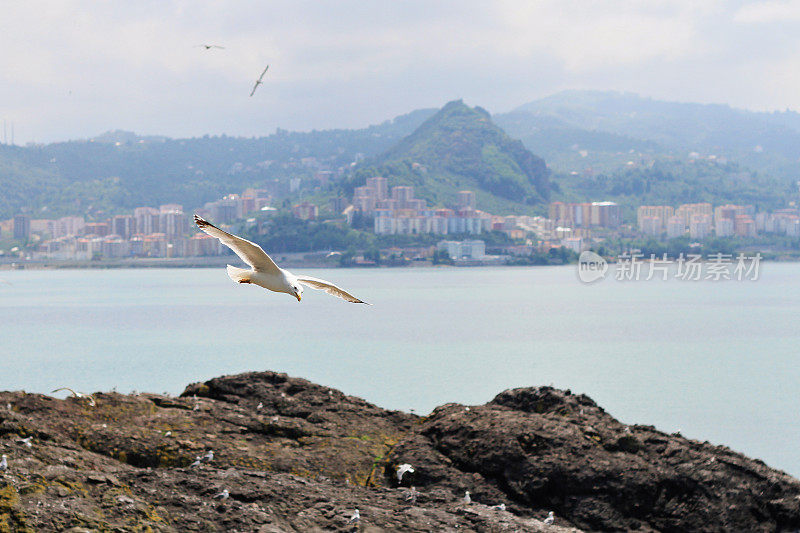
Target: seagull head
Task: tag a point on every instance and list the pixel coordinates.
(297, 291)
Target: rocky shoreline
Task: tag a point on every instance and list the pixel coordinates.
(290, 455)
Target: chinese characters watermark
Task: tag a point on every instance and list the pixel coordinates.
(634, 266)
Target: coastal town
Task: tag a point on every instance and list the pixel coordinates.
(167, 232)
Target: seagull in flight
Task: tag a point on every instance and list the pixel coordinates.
(210, 46)
(258, 81)
(263, 270)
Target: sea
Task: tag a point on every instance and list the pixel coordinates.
(713, 360)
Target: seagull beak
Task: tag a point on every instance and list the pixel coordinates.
(297, 295)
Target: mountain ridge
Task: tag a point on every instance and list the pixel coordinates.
(460, 147)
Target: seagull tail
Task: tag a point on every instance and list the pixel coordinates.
(239, 275)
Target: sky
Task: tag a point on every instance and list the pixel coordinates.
(74, 69)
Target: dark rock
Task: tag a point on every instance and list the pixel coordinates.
(312, 455)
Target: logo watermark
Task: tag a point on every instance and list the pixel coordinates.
(634, 266)
(591, 267)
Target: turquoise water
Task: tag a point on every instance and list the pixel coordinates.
(715, 360)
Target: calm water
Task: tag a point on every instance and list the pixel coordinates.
(717, 360)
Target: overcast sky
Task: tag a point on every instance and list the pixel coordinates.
(73, 69)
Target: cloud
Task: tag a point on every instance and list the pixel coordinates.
(79, 67)
(768, 12)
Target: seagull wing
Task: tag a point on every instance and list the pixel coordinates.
(67, 388)
(330, 288)
(249, 252)
(258, 81)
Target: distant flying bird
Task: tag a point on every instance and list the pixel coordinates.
(551, 517)
(258, 81)
(402, 469)
(210, 46)
(168, 434)
(331, 254)
(264, 272)
(355, 518)
(466, 498)
(78, 395)
(224, 495)
(26, 441)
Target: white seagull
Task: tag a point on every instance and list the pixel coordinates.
(78, 395)
(208, 457)
(402, 469)
(26, 441)
(263, 270)
(3, 462)
(551, 517)
(466, 499)
(355, 518)
(224, 495)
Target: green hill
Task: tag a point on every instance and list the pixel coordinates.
(461, 148)
(119, 170)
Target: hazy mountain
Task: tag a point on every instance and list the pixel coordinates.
(763, 141)
(566, 147)
(461, 148)
(119, 170)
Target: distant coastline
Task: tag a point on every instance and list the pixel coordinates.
(288, 260)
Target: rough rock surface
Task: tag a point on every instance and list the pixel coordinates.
(310, 455)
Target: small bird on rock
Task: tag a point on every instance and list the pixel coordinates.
(402, 469)
(355, 518)
(224, 495)
(78, 395)
(466, 498)
(551, 517)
